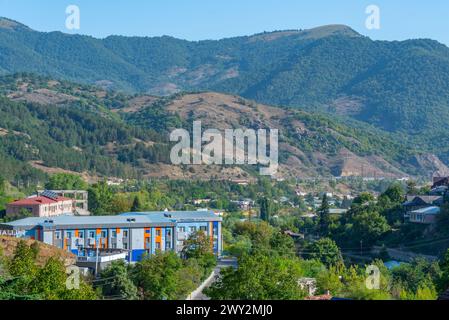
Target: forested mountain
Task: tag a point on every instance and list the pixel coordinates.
(52, 126)
(397, 86)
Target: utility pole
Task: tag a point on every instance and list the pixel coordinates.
(96, 260)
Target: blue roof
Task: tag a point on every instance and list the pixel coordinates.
(88, 221)
(179, 215)
(138, 218)
(428, 211)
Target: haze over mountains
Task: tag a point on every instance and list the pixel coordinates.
(399, 87)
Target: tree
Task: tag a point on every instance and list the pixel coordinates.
(66, 181)
(283, 245)
(137, 205)
(324, 250)
(100, 198)
(412, 187)
(369, 226)
(157, 276)
(265, 209)
(199, 247)
(2, 185)
(118, 282)
(443, 281)
(443, 219)
(23, 262)
(259, 277)
(324, 217)
(120, 203)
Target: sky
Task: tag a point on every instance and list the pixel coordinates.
(216, 19)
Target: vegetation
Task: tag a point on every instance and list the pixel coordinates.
(22, 279)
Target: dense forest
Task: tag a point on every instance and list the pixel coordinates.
(399, 86)
(80, 128)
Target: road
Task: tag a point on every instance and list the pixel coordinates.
(222, 263)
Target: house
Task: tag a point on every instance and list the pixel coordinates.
(47, 204)
(425, 215)
(414, 203)
(440, 181)
(80, 197)
(245, 204)
(198, 202)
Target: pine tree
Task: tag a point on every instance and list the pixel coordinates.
(323, 214)
(265, 209)
(137, 206)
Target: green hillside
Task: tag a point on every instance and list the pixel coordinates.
(51, 126)
(397, 86)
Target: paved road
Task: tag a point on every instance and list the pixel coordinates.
(222, 263)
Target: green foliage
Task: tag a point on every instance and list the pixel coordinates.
(118, 282)
(324, 250)
(324, 217)
(27, 281)
(260, 277)
(65, 181)
(100, 198)
(165, 276)
(265, 209)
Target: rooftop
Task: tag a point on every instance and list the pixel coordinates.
(38, 200)
(76, 221)
(178, 215)
(428, 211)
(123, 220)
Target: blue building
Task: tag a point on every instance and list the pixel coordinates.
(134, 233)
(188, 222)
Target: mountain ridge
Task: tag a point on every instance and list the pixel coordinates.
(399, 86)
(49, 126)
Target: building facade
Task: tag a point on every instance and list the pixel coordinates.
(41, 206)
(136, 234)
(188, 222)
(427, 215)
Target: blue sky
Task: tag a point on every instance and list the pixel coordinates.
(214, 19)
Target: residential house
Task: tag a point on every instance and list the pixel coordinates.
(414, 203)
(47, 204)
(425, 215)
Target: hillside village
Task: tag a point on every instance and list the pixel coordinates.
(98, 240)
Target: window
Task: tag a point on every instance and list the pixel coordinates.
(91, 234)
(182, 229)
(114, 234)
(104, 234)
(58, 235)
(69, 235)
(125, 246)
(158, 246)
(125, 234)
(158, 233)
(81, 234)
(203, 228)
(192, 229)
